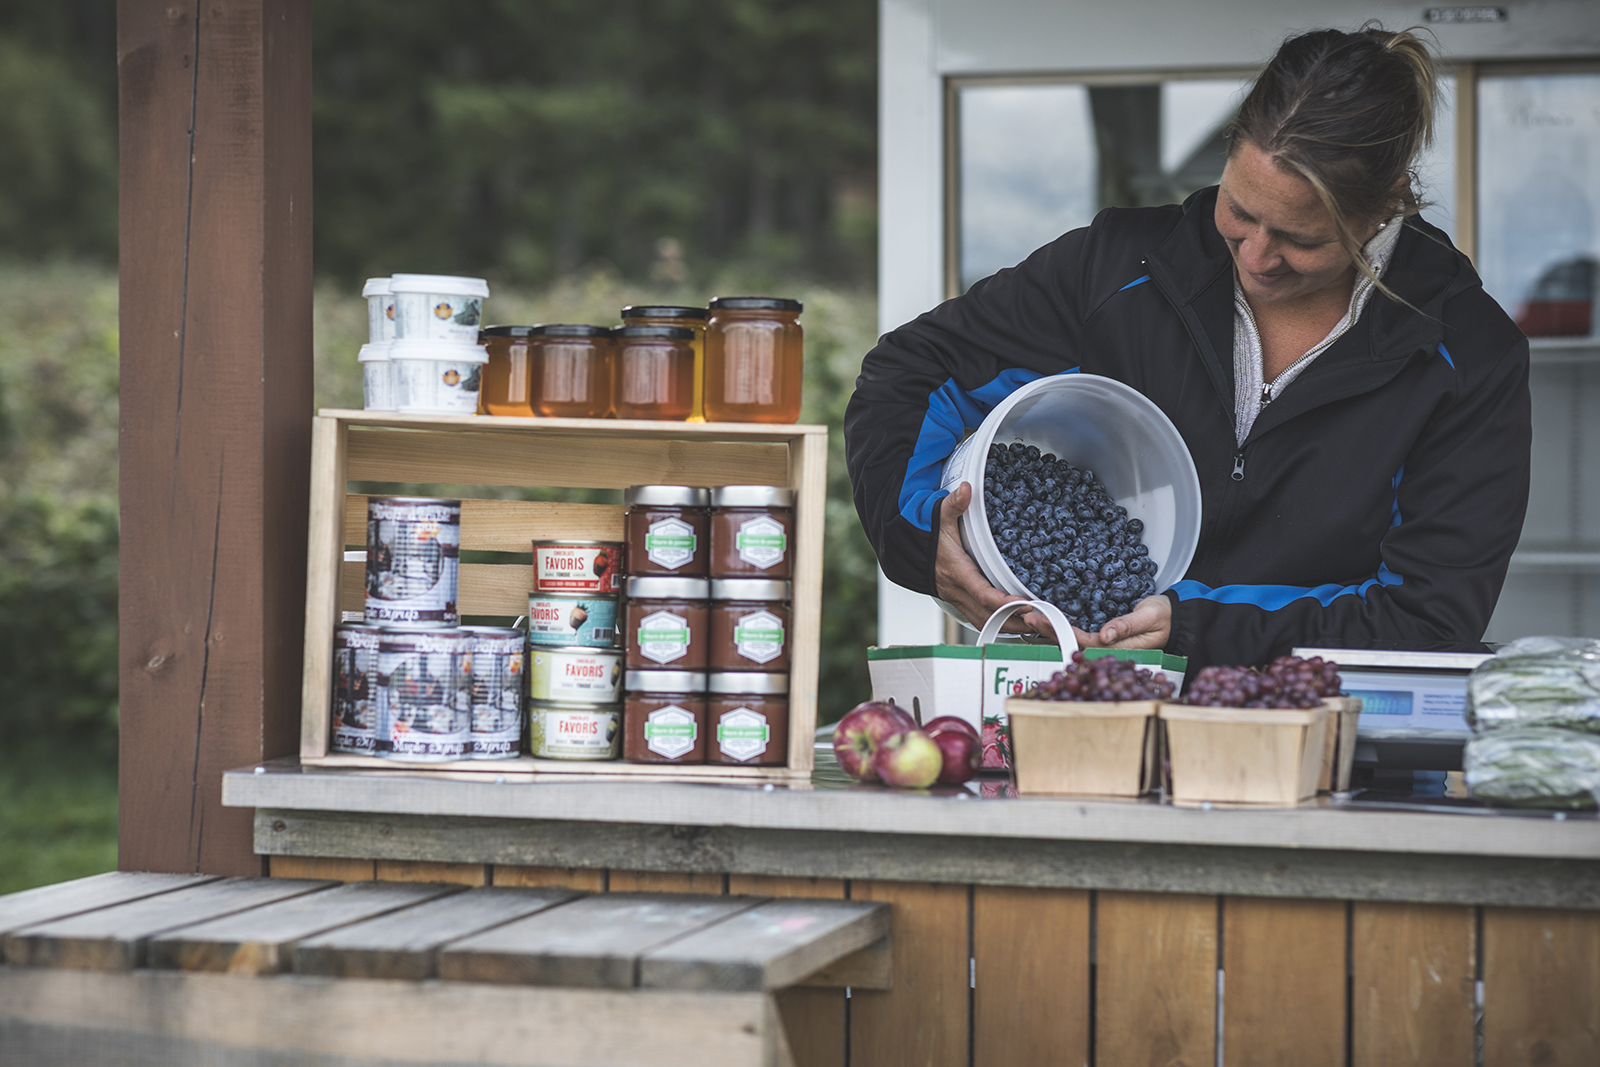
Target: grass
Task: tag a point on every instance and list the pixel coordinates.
(58, 815)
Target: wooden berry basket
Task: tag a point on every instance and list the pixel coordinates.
(496, 451)
(1083, 748)
(1243, 755)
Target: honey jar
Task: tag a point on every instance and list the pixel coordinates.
(571, 369)
(690, 318)
(505, 387)
(754, 360)
(655, 372)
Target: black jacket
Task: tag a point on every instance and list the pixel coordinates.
(1375, 503)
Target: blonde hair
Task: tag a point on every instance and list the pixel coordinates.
(1350, 113)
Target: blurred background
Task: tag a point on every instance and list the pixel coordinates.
(581, 154)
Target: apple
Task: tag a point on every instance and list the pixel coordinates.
(861, 733)
(962, 753)
(911, 759)
(950, 722)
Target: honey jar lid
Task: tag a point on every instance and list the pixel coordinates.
(664, 311)
(656, 333)
(749, 682)
(568, 329)
(754, 303)
(664, 681)
(752, 496)
(653, 587)
(671, 496)
(749, 589)
(507, 331)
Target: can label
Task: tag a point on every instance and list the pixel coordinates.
(742, 734)
(570, 568)
(670, 732)
(438, 317)
(495, 668)
(355, 696)
(761, 542)
(574, 733)
(670, 543)
(443, 386)
(575, 676)
(424, 696)
(759, 636)
(663, 636)
(570, 621)
(413, 562)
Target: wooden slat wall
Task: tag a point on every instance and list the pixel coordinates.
(923, 1020)
(1030, 946)
(1541, 987)
(1156, 978)
(1412, 973)
(1285, 993)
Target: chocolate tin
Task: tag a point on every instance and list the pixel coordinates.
(572, 620)
(578, 566)
(558, 730)
(575, 675)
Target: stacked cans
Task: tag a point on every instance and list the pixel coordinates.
(409, 682)
(575, 662)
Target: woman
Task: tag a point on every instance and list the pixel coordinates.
(1356, 406)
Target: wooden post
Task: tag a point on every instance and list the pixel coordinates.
(215, 236)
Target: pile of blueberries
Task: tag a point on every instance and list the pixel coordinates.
(1064, 537)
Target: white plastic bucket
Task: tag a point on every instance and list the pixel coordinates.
(1101, 425)
(377, 372)
(437, 379)
(438, 307)
(380, 311)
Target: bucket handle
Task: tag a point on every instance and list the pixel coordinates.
(1067, 640)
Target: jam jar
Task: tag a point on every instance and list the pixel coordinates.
(752, 531)
(748, 719)
(667, 528)
(655, 372)
(692, 319)
(571, 370)
(749, 625)
(664, 717)
(504, 390)
(754, 355)
(667, 623)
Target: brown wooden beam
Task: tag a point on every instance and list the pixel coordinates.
(215, 235)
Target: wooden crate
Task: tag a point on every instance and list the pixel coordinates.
(1243, 755)
(570, 453)
(1083, 748)
(1339, 744)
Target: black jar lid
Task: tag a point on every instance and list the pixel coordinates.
(664, 311)
(653, 333)
(567, 329)
(507, 331)
(754, 303)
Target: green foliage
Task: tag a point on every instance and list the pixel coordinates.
(58, 814)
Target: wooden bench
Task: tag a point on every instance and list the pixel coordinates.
(172, 970)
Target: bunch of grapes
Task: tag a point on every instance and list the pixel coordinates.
(1064, 537)
(1290, 682)
(1104, 679)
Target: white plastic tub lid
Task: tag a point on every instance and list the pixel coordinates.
(374, 353)
(437, 351)
(441, 284)
(376, 287)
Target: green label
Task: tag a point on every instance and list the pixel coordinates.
(742, 634)
(743, 733)
(665, 730)
(655, 541)
(777, 541)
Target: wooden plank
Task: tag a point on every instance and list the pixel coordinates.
(87, 894)
(329, 867)
(923, 1019)
(173, 1019)
(1541, 987)
(473, 456)
(665, 882)
(405, 944)
(484, 588)
(810, 476)
(868, 968)
(647, 429)
(116, 938)
(215, 343)
(588, 880)
(508, 525)
(813, 1019)
(594, 942)
(1030, 952)
(1156, 978)
(324, 594)
(768, 947)
(1284, 991)
(428, 871)
(1412, 971)
(261, 941)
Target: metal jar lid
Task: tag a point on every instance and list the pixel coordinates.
(749, 682)
(755, 303)
(749, 589)
(672, 496)
(650, 587)
(575, 542)
(664, 681)
(752, 496)
(653, 333)
(664, 311)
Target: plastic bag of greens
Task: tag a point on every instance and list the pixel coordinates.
(1533, 680)
(1535, 767)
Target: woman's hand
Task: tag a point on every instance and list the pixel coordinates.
(1148, 625)
(962, 585)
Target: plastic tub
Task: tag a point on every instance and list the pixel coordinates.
(380, 310)
(437, 379)
(1106, 427)
(438, 307)
(377, 373)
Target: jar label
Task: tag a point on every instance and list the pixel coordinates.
(663, 636)
(670, 543)
(580, 734)
(743, 734)
(761, 542)
(670, 732)
(759, 636)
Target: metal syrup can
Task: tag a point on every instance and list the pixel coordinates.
(355, 696)
(570, 620)
(574, 731)
(573, 566)
(575, 676)
(424, 695)
(413, 561)
(494, 671)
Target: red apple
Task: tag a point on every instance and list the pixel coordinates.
(950, 722)
(861, 733)
(911, 759)
(962, 752)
